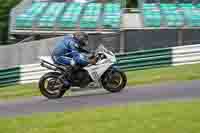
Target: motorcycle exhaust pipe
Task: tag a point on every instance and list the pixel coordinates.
(49, 66)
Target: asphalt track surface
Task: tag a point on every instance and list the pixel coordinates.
(144, 94)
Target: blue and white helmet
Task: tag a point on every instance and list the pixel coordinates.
(81, 37)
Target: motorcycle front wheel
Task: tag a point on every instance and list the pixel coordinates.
(51, 86)
(114, 80)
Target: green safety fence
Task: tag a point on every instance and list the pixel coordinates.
(9, 76)
(145, 59)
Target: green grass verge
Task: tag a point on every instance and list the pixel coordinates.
(169, 74)
(139, 118)
(19, 91)
(150, 76)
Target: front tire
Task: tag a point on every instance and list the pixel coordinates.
(111, 84)
(54, 88)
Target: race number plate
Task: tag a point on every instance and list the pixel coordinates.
(95, 75)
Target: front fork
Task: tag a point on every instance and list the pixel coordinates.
(111, 69)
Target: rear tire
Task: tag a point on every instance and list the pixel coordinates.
(106, 82)
(51, 86)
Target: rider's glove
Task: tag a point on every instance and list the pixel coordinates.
(93, 60)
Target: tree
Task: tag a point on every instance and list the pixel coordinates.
(131, 3)
(5, 7)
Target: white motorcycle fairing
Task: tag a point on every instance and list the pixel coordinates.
(96, 71)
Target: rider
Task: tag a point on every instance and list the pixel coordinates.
(68, 51)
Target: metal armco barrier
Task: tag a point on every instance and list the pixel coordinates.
(131, 61)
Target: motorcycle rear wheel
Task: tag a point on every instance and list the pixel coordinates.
(51, 86)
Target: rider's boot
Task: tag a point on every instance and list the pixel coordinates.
(66, 77)
(64, 81)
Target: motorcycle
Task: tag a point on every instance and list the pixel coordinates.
(104, 72)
